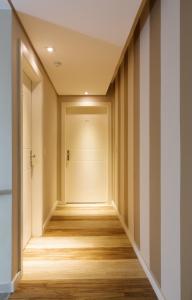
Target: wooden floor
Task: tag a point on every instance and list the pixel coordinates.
(84, 254)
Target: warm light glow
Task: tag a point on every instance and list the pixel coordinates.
(87, 102)
(86, 93)
(50, 49)
(30, 58)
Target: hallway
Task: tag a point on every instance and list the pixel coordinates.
(95, 107)
(83, 254)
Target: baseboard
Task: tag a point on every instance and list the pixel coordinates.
(9, 287)
(147, 271)
(15, 281)
(49, 215)
(60, 202)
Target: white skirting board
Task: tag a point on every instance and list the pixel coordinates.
(49, 215)
(10, 286)
(147, 271)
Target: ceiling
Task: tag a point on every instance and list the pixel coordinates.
(88, 37)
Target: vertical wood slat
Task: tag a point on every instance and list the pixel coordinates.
(122, 137)
(126, 164)
(119, 142)
(137, 135)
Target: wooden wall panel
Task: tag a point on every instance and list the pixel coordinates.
(122, 139)
(155, 109)
(129, 130)
(126, 164)
(119, 142)
(116, 143)
(137, 136)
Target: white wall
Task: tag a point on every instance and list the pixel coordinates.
(170, 149)
(6, 241)
(5, 146)
(144, 140)
(5, 101)
(130, 158)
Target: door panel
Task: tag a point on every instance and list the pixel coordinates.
(27, 148)
(90, 186)
(87, 168)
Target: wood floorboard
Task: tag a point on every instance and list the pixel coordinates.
(77, 242)
(119, 253)
(83, 269)
(86, 289)
(84, 224)
(86, 217)
(96, 212)
(83, 232)
(83, 254)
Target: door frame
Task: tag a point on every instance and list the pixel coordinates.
(87, 103)
(28, 65)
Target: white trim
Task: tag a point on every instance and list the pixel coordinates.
(9, 287)
(87, 102)
(49, 215)
(15, 281)
(147, 271)
(144, 189)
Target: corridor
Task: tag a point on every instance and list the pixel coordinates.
(83, 254)
(95, 149)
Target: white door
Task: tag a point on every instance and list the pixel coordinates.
(86, 155)
(27, 169)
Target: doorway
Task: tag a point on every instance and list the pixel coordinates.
(31, 145)
(86, 154)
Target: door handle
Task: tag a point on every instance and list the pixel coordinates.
(32, 157)
(68, 155)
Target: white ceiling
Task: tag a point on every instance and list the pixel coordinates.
(88, 37)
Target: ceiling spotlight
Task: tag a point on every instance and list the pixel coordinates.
(86, 93)
(50, 49)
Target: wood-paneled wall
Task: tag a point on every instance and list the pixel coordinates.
(147, 143)
(128, 96)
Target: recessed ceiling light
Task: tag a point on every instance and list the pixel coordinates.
(50, 49)
(86, 93)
